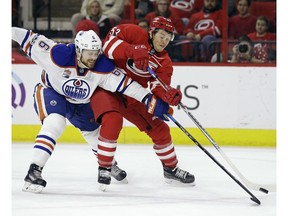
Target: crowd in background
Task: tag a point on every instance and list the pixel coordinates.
(246, 34)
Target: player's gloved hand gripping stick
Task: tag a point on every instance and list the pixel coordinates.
(157, 107)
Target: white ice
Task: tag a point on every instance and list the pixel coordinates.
(72, 188)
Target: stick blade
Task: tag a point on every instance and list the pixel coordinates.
(254, 199)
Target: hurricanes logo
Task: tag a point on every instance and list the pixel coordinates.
(76, 89)
(131, 66)
(18, 91)
(183, 5)
(204, 24)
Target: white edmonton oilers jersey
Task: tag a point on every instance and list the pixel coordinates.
(60, 70)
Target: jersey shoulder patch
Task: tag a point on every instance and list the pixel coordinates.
(63, 55)
(103, 64)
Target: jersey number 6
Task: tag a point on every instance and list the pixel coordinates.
(44, 45)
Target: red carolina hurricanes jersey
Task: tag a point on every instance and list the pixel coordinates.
(185, 8)
(239, 26)
(267, 37)
(206, 24)
(122, 36)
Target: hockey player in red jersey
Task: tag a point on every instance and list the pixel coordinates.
(133, 49)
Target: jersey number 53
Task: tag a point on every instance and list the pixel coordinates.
(114, 31)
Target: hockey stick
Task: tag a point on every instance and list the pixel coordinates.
(263, 188)
(249, 184)
(253, 198)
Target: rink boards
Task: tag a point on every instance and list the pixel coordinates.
(236, 105)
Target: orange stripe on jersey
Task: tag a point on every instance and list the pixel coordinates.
(26, 48)
(45, 143)
(43, 78)
(28, 44)
(39, 102)
(125, 81)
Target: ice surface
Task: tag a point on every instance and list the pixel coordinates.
(72, 188)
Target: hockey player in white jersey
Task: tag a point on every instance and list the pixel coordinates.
(71, 73)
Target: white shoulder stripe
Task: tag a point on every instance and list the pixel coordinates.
(113, 47)
(107, 42)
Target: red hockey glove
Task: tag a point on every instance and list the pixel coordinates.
(172, 96)
(157, 107)
(140, 55)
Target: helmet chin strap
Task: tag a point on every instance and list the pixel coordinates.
(150, 41)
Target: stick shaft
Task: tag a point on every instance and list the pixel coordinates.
(249, 184)
(253, 198)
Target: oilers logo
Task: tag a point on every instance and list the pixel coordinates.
(76, 89)
(18, 91)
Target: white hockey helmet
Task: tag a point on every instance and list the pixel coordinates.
(87, 40)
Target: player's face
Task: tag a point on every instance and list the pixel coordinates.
(89, 57)
(160, 40)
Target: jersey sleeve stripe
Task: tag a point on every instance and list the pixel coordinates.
(119, 87)
(115, 43)
(25, 39)
(39, 102)
(27, 47)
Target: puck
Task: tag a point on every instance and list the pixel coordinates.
(264, 190)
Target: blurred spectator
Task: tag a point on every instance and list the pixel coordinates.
(86, 25)
(206, 27)
(265, 8)
(143, 7)
(143, 24)
(185, 8)
(162, 9)
(243, 23)
(16, 13)
(264, 38)
(232, 10)
(111, 8)
(261, 33)
(95, 14)
(245, 52)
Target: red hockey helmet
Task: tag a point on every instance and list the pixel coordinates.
(163, 23)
